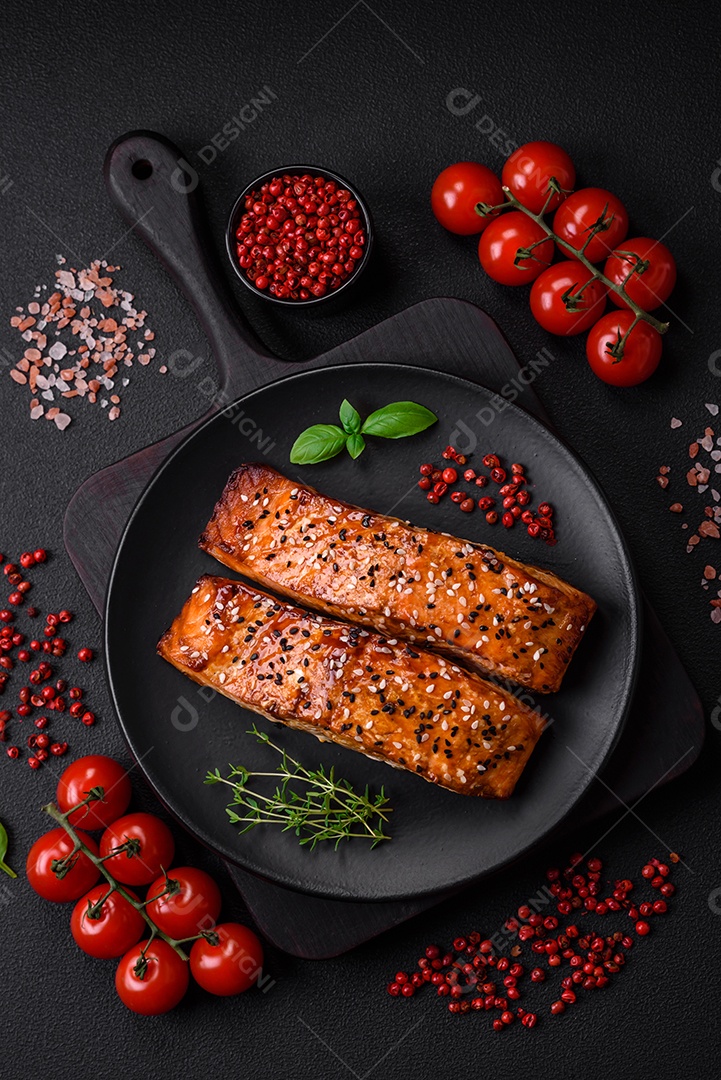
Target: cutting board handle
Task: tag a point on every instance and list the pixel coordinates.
(155, 189)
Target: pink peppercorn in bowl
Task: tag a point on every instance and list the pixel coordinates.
(299, 236)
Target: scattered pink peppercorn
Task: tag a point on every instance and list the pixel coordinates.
(593, 954)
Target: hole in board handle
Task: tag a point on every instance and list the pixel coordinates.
(142, 169)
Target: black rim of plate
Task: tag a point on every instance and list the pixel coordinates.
(174, 806)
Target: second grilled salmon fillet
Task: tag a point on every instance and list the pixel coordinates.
(465, 599)
(383, 697)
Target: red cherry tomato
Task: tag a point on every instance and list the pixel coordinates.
(95, 770)
(583, 209)
(55, 845)
(501, 242)
(195, 907)
(651, 288)
(583, 305)
(528, 170)
(153, 848)
(641, 353)
(110, 933)
(162, 985)
(457, 190)
(231, 966)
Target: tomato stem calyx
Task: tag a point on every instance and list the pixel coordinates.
(96, 794)
(486, 210)
(131, 847)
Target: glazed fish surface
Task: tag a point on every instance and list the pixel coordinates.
(386, 698)
(464, 599)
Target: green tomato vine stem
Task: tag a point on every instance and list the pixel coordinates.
(62, 819)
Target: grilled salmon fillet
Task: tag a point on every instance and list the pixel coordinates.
(383, 697)
(464, 599)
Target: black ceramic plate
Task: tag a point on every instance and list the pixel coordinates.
(178, 731)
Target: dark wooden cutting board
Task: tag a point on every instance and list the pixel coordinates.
(664, 732)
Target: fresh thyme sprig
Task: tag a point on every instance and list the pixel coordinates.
(325, 808)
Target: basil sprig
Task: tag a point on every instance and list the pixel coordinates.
(3, 851)
(395, 421)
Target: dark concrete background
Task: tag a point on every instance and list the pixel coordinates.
(632, 93)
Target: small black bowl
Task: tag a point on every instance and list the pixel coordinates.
(298, 170)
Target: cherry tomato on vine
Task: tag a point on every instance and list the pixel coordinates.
(55, 845)
(95, 770)
(582, 210)
(163, 983)
(152, 848)
(457, 190)
(641, 351)
(195, 907)
(111, 931)
(231, 966)
(651, 288)
(529, 169)
(584, 303)
(500, 243)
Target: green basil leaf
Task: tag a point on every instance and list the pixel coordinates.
(317, 443)
(349, 418)
(399, 419)
(3, 851)
(355, 446)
